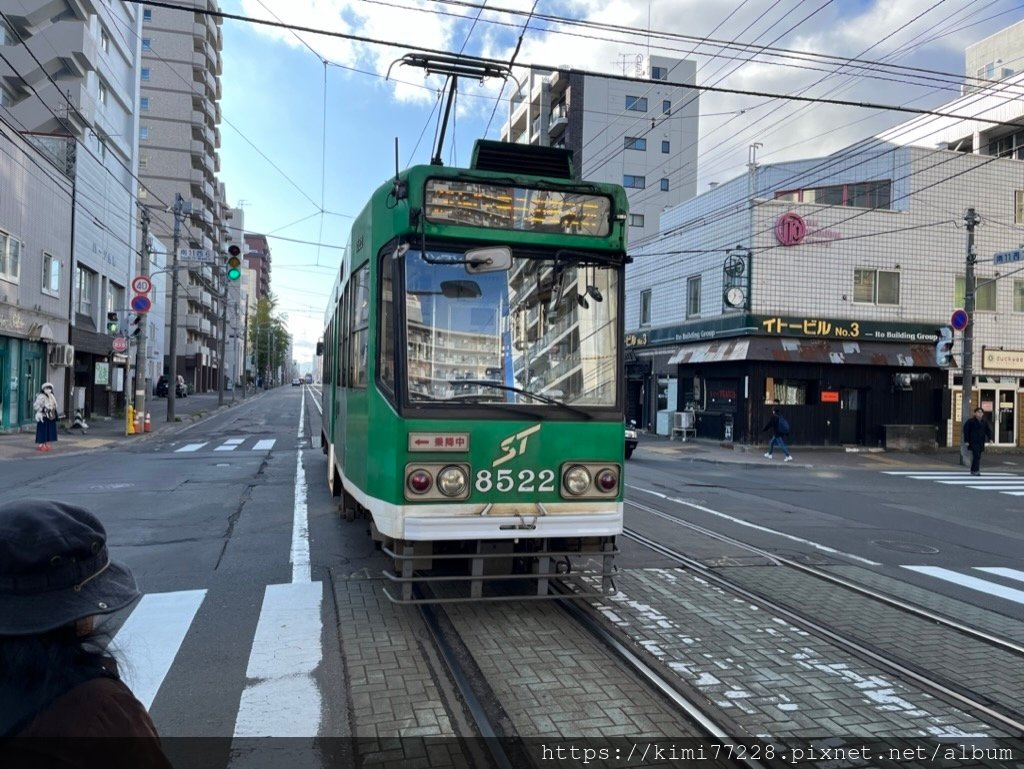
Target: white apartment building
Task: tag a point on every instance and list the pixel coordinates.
(640, 134)
(179, 134)
(69, 81)
(825, 288)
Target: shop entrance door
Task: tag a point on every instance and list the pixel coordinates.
(999, 404)
(851, 415)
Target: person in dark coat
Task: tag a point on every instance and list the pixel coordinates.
(780, 431)
(975, 433)
(59, 686)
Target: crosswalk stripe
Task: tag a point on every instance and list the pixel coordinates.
(190, 447)
(264, 445)
(1011, 484)
(974, 583)
(975, 480)
(947, 474)
(283, 700)
(231, 444)
(1001, 571)
(151, 636)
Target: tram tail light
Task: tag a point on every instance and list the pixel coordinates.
(590, 480)
(419, 481)
(607, 480)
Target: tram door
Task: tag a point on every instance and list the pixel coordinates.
(1001, 413)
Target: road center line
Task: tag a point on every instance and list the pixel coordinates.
(748, 524)
(301, 570)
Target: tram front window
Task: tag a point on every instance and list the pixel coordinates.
(538, 333)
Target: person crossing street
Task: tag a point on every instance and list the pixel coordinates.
(779, 427)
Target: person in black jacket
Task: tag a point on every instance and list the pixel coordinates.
(780, 430)
(976, 433)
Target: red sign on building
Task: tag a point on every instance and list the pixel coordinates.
(790, 229)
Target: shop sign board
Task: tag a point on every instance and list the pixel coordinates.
(995, 359)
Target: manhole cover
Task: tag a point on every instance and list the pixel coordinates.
(905, 547)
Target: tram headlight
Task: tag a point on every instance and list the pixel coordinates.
(607, 480)
(452, 481)
(419, 481)
(576, 480)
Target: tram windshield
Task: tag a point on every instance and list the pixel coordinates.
(543, 333)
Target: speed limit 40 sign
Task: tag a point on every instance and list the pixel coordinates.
(141, 284)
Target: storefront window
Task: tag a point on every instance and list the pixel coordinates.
(791, 392)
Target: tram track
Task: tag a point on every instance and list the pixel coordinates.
(491, 722)
(1005, 715)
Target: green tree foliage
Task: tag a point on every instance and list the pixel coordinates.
(269, 339)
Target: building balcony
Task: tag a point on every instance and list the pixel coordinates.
(557, 125)
(192, 321)
(192, 348)
(204, 326)
(205, 297)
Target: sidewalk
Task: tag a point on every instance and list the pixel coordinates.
(707, 450)
(109, 431)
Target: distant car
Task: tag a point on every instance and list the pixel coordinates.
(296, 382)
(160, 391)
(631, 438)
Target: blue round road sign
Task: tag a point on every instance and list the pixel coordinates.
(141, 303)
(959, 319)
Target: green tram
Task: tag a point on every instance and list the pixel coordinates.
(472, 390)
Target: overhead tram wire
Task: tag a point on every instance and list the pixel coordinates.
(537, 65)
(838, 102)
(511, 63)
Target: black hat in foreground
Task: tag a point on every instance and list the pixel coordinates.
(55, 568)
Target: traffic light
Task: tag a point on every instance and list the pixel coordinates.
(234, 262)
(944, 348)
(135, 325)
(112, 324)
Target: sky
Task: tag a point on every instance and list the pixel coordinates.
(310, 121)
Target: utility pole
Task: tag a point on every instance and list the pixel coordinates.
(245, 349)
(172, 376)
(140, 350)
(221, 367)
(967, 386)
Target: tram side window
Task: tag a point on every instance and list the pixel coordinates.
(343, 338)
(385, 335)
(327, 372)
(360, 286)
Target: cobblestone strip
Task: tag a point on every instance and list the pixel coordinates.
(391, 690)
(772, 678)
(552, 680)
(975, 665)
(968, 614)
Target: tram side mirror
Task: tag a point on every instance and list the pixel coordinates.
(489, 259)
(460, 289)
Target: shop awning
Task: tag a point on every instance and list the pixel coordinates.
(783, 350)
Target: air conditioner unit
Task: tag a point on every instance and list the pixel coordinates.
(682, 420)
(62, 355)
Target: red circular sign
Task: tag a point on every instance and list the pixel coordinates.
(119, 344)
(790, 229)
(141, 284)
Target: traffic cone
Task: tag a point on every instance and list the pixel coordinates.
(148, 427)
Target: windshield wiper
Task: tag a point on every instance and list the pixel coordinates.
(521, 391)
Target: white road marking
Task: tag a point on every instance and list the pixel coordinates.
(974, 583)
(748, 524)
(231, 444)
(301, 570)
(151, 636)
(190, 447)
(1011, 484)
(944, 474)
(282, 699)
(264, 445)
(1003, 572)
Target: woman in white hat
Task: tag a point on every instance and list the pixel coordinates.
(59, 687)
(46, 417)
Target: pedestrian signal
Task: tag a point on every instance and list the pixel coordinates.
(112, 324)
(234, 262)
(135, 325)
(944, 348)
